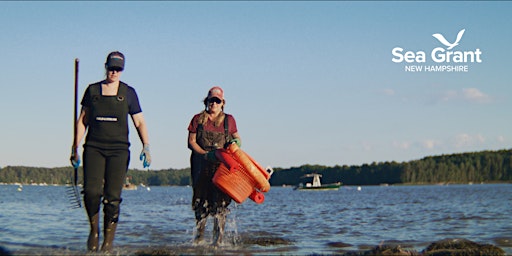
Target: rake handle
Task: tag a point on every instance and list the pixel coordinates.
(75, 114)
(75, 103)
(75, 118)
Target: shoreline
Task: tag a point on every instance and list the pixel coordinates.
(265, 246)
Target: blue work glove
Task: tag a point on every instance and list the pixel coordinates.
(210, 156)
(75, 158)
(237, 141)
(145, 156)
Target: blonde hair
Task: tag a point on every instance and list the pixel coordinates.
(203, 118)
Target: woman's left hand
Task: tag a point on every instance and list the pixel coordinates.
(145, 156)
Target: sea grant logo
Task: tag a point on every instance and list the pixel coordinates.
(446, 60)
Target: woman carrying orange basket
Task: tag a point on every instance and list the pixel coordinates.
(209, 130)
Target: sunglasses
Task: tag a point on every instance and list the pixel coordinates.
(215, 100)
(115, 69)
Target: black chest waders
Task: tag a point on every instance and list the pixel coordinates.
(106, 158)
(207, 198)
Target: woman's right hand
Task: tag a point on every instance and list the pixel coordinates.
(75, 158)
(210, 156)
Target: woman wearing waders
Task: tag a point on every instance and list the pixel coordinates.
(105, 109)
(209, 130)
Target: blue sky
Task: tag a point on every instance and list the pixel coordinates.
(308, 82)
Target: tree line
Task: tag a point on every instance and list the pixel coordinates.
(65, 175)
(476, 167)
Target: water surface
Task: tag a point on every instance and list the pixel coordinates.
(40, 220)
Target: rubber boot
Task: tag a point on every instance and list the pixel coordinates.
(219, 223)
(109, 231)
(200, 226)
(93, 240)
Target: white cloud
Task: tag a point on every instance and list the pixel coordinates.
(401, 145)
(422, 144)
(466, 140)
(429, 144)
(467, 94)
(449, 95)
(388, 92)
(367, 146)
(475, 95)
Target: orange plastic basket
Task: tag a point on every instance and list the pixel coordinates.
(237, 184)
(234, 178)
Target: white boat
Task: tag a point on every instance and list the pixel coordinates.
(317, 185)
(129, 186)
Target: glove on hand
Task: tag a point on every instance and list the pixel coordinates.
(75, 158)
(145, 156)
(210, 156)
(237, 141)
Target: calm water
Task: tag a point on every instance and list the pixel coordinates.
(39, 220)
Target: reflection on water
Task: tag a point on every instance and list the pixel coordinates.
(40, 220)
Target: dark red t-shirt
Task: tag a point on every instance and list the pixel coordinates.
(192, 127)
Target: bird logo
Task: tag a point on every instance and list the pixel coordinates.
(448, 44)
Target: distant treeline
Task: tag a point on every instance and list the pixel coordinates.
(64, 175)
(476, 167)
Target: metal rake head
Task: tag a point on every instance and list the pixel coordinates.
(74, 196)
(72, 192)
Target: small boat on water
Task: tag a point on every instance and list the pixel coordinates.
(317, 185)
(129, 186)
(144, 186)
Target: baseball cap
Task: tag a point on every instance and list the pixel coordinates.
(216, 91)
(115, 60)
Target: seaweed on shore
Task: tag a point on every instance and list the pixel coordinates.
(461, 247)
(445, 247)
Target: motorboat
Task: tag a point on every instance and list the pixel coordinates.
(316, 184)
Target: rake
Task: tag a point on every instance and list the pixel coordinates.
(72, 191)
